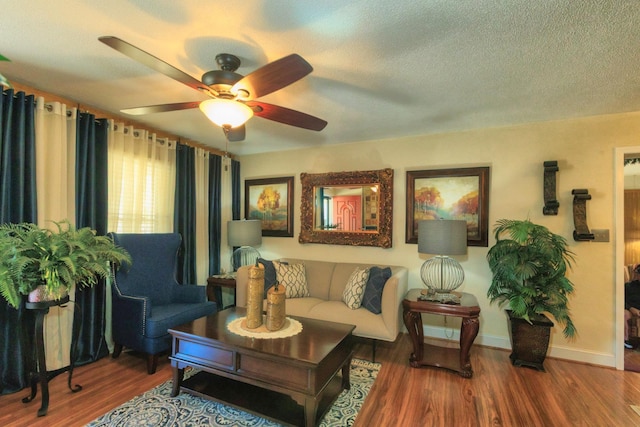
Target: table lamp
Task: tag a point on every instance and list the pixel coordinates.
(244, 234)
(442, 237)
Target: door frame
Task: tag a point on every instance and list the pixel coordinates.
(618, 183)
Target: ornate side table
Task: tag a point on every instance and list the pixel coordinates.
(424, 354)
(40, 373)
(214, 285)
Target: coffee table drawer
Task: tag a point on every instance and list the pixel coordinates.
(293, 377)
(204, 354)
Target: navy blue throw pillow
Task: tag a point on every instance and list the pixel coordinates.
(372, 299)
(270, 277)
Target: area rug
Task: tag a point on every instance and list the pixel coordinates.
(157, 408)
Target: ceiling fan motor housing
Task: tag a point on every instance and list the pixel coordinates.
(221, 80)
(220, 77)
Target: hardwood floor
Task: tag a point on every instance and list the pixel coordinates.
(632, 359)
(568, 394)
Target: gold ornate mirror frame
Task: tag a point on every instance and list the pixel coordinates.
(380, 238)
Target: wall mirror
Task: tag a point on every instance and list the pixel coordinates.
(347, 208)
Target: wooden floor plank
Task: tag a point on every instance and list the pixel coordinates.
(499, 394)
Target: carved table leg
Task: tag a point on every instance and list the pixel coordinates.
(413, 322)
(468, 333)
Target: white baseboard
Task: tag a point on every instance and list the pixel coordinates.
(558, 352)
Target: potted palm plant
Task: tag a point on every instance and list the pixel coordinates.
(529, 265)
(43, 263)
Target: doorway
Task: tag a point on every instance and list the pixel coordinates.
(627, 181)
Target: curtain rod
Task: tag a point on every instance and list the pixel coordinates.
(106, 115)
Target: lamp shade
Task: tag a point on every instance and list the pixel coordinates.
(226, 112)
(244, 232)
(442, 237)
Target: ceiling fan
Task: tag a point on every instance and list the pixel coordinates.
(228, 90)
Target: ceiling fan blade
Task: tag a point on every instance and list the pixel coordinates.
(236, 134)
(153, 62)
(286, 116)
(271, 77)
(161, 108)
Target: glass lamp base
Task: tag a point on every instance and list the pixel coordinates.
(244, 255)
(442, 274)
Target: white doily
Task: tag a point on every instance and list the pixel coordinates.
(239, 327)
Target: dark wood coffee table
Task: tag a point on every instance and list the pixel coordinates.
(291, 380)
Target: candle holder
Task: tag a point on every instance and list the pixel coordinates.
(254, 297)
(276, 307)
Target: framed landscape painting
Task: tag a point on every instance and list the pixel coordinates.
(449, 194)
(271, 201)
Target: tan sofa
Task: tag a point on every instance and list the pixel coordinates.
(326, 282)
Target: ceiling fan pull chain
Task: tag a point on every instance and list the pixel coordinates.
(226, 147)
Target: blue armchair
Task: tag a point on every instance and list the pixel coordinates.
(147, 299)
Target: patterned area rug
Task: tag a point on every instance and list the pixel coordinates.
(157, 408)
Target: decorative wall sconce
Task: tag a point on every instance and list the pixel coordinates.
(581, 232)
(551, 204)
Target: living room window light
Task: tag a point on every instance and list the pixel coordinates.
(141, 181)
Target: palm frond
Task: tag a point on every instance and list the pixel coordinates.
(529, 265)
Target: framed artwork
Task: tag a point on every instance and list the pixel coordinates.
(449, 194)
(271, 201)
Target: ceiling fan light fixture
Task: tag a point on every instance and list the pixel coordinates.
(226, 112)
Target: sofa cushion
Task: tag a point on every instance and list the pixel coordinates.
(319, 274)
(293, 278)
(372, 298)
(354, 290)
(368, 325)
(299, 306)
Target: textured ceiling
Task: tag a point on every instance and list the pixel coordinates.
(381, 69)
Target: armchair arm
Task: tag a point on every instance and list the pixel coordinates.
(392, 295)
(189, 293)
(129, 315)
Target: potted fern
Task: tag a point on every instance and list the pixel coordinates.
(529, 265)
(43, 264)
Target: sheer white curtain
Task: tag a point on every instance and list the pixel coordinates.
(202, 215)
(142, 176)
(142, 173)
(55, 129)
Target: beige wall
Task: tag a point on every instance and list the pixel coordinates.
(584, 149)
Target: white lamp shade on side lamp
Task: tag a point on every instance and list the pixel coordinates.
(244, 234)
(442, 238)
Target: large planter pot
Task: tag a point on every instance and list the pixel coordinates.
(529, 341)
